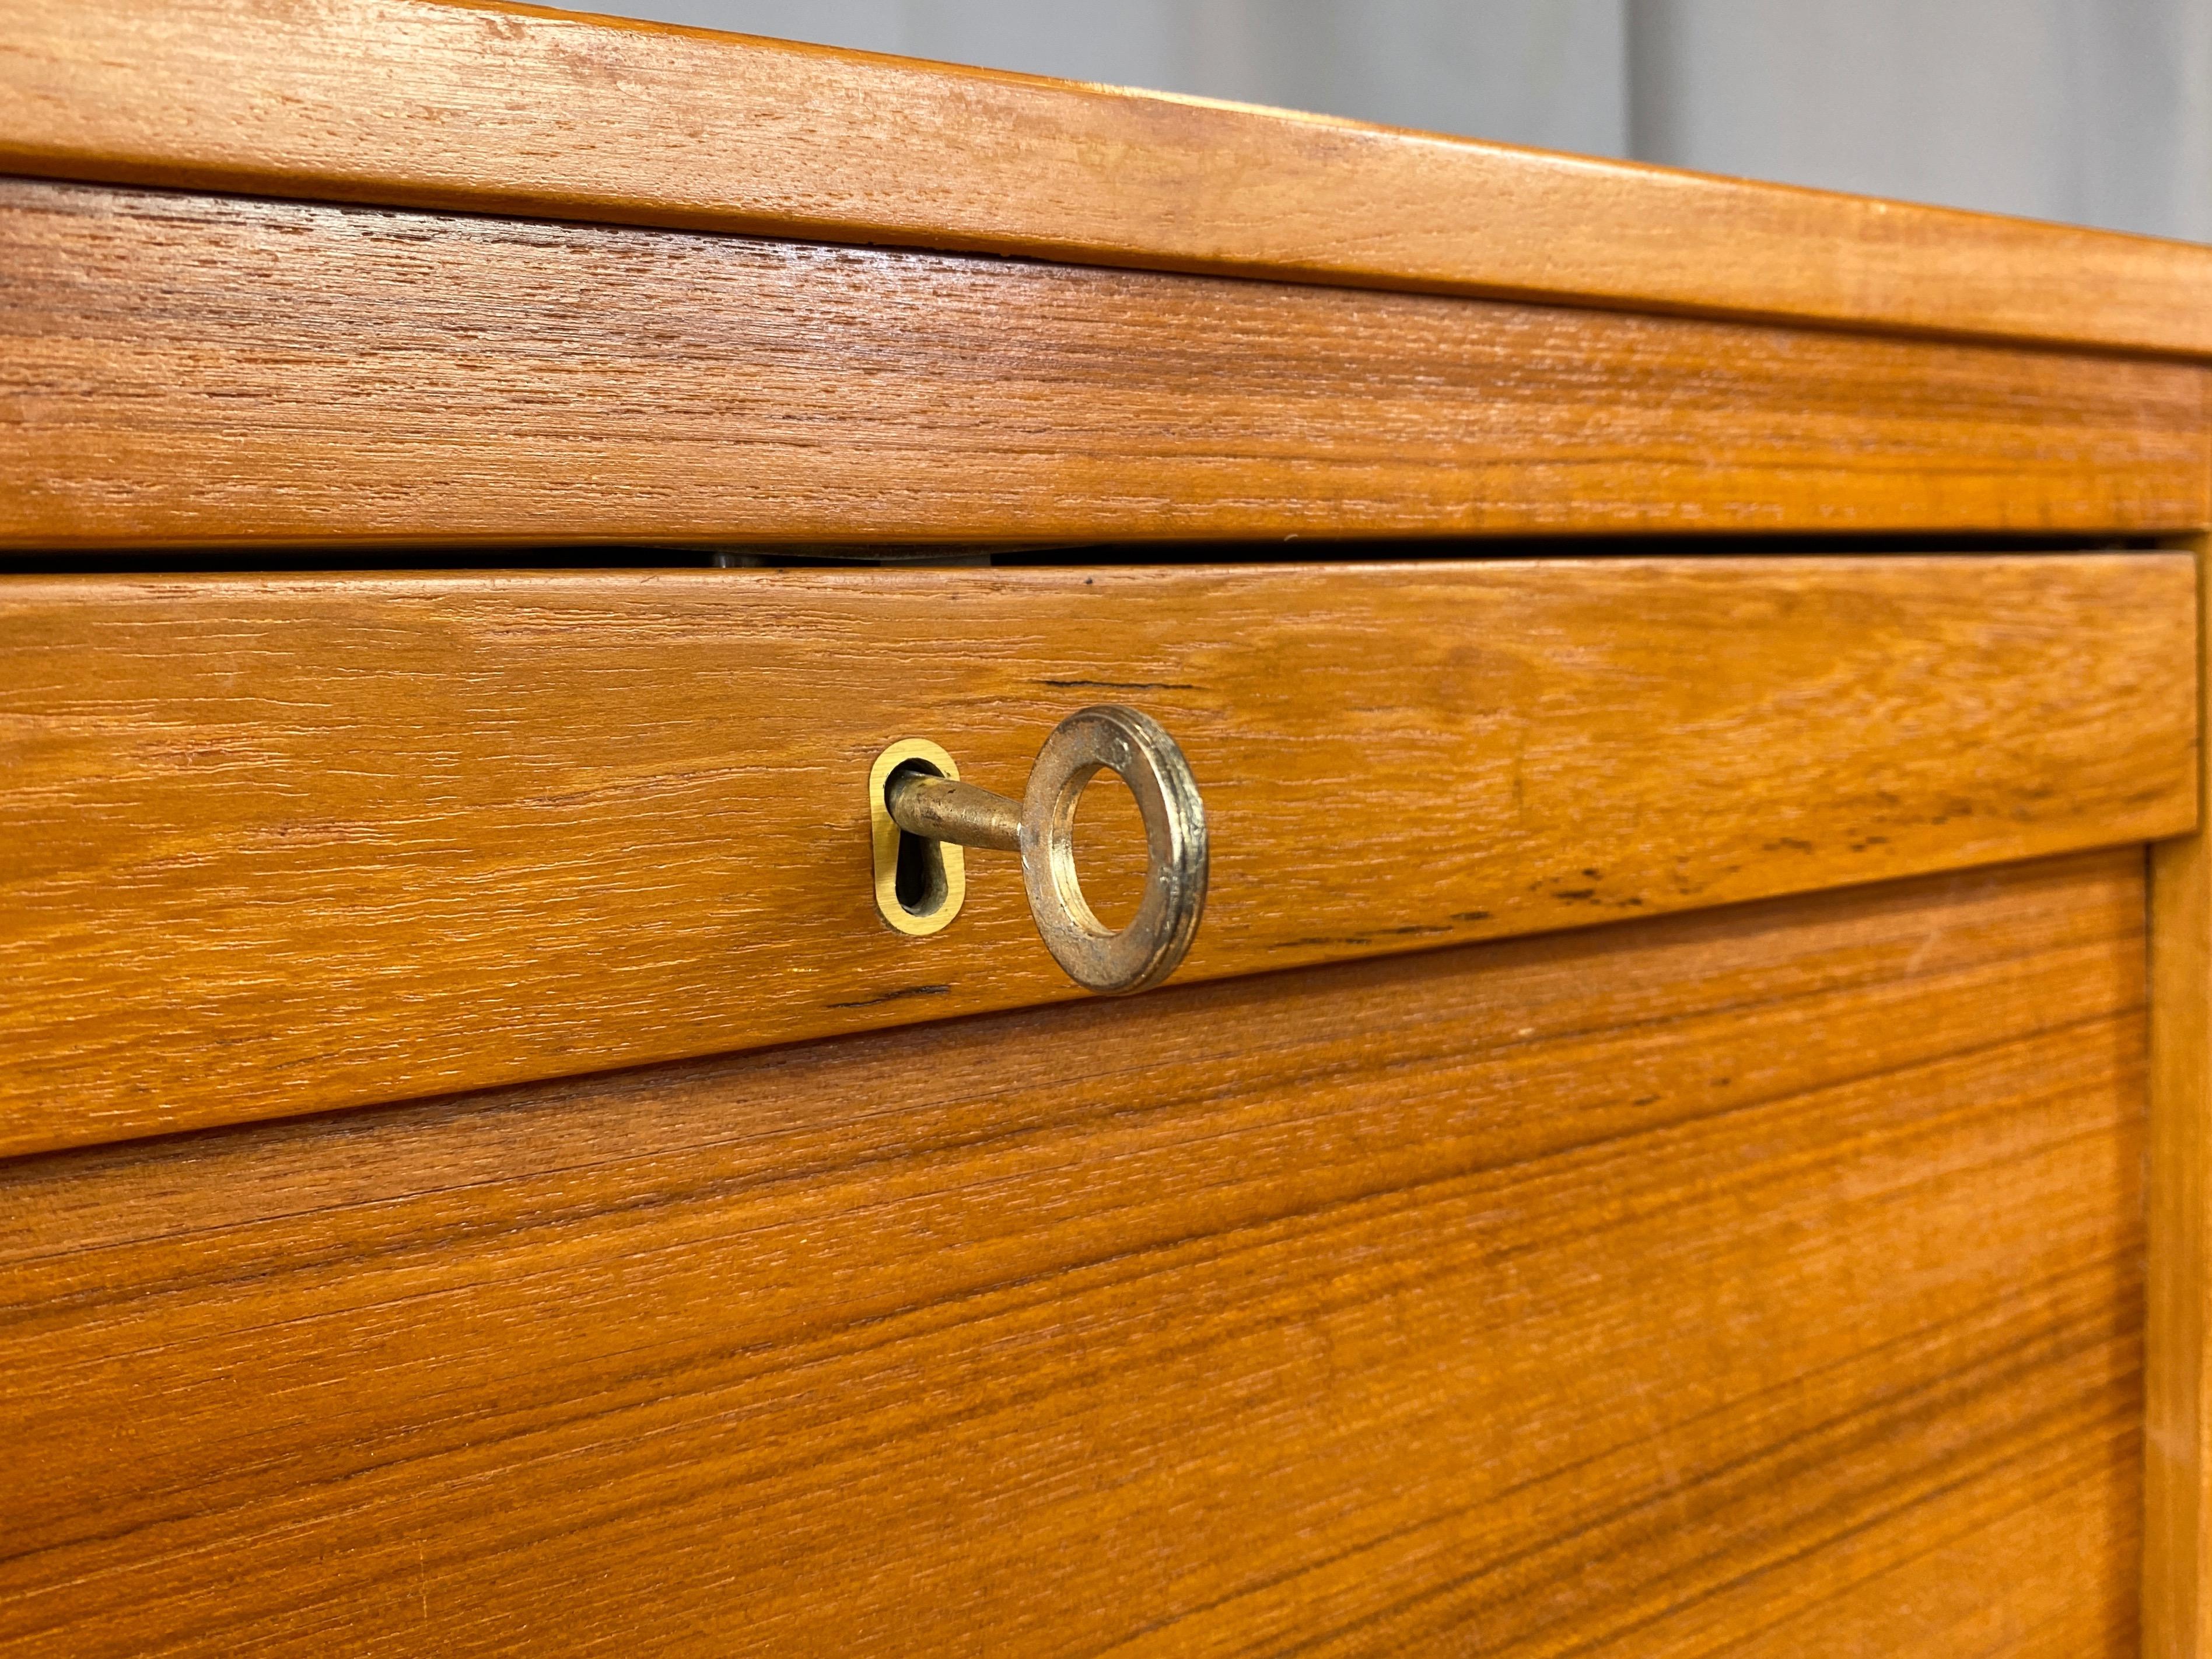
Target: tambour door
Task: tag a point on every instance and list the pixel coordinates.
(1644, 1151)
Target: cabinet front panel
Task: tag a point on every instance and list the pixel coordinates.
(180, 371)
(1770, 1276)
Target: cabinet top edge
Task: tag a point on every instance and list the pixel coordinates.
(485, 107)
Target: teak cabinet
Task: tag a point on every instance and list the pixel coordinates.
(1682, 1128)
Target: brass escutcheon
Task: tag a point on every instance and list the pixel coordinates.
(937, 889)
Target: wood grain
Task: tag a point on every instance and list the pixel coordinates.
(275, 845)
(511, 109)
(2177, 1414)
(1766, 1281)
(181, 372)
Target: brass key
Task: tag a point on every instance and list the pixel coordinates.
(924, 815)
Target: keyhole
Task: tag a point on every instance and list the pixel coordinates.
(918, 879)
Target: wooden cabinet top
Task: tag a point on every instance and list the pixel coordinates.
(518, 110)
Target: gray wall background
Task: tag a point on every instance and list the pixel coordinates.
(2096, 112)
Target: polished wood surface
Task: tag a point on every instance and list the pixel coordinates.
(181, 372)
(2178, 1579)
(1766, 1279)
(510, 109)
(275, 845)
(2178, 1411)
(1823, 1273)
